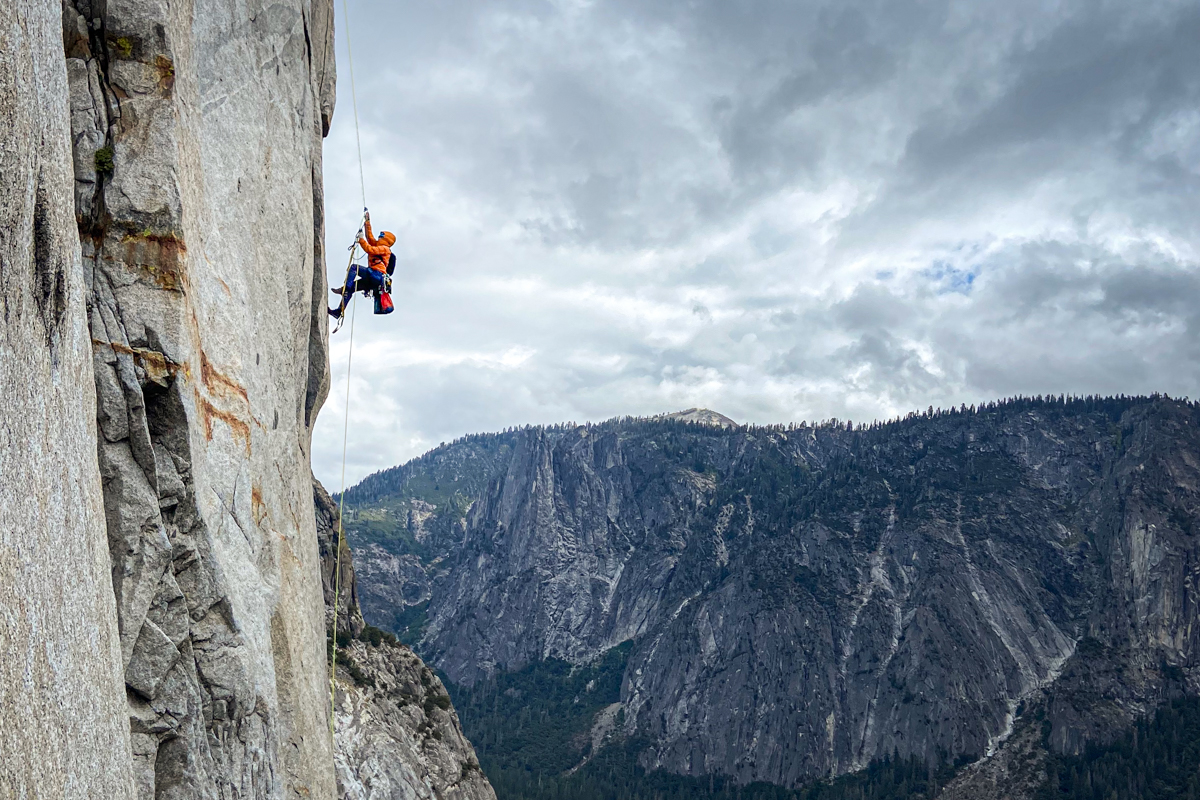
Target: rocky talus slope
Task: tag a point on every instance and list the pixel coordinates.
(803, 600)
(397, 736)
(60, 668)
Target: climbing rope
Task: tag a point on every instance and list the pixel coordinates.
(337, 576)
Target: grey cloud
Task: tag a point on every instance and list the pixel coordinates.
(1101, 324)
(892, 365)
(871, 307)
(1090, 79)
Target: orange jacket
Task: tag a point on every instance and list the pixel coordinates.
(378, 251)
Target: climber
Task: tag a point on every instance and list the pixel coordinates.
(373, 278)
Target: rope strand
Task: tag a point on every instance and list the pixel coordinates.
(337, 576)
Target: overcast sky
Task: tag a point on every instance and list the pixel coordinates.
(782, 211)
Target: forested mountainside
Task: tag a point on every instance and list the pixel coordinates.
(801, 601)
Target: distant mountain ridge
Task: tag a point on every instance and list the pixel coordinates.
(802, 600)
(473, 447)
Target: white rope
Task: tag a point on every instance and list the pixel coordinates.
(337, 575)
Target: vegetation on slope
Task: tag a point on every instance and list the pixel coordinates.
(535, 721)
(528, 728)
(531, 728)
(1158, 759)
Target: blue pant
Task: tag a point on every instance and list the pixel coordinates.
(368, 280)
(362, 279)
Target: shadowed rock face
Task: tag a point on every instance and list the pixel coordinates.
(197, 158)
(337, 574)
(60, 666)
(802, 601)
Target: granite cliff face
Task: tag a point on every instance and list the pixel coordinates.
(804, 600)
(197, 133)
(61, 666)
(397, 734)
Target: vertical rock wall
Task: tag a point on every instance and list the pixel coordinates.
(59, 671)
(197, 133)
